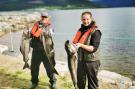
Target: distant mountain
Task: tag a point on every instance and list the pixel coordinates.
(114, 3)
(7, 5)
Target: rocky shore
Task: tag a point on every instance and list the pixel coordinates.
(3, 48)
(14, 21)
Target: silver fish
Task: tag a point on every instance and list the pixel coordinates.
(72, 61)
(25, 47)
(49, 48)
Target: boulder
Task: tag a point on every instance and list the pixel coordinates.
(115, 79)
(3, 48)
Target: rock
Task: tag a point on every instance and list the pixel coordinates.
(132, 87)
(17, 20)
(124, 83)
(108, 76)
(3, 48)
(114, 78)
(4, 26)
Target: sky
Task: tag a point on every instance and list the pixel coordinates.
(115, 3)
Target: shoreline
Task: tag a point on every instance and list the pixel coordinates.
(16, 21)
(12, 66)
(2, 34)
(61, 66)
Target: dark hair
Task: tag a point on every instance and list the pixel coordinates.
(87, 12)
(44, 16)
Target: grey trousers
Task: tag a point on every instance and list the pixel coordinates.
(39, 56)
(87, 69)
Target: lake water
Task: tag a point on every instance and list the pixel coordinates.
(117, 47)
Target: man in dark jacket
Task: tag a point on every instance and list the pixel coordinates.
(87, 40)
(40, 30)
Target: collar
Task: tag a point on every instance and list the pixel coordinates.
(85, 28)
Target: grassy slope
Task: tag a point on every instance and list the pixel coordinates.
(13, 77)
(21, 80)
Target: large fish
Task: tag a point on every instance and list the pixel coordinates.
(49, 48)
(72, 61)
(25, 47)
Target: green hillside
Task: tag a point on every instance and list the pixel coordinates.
(9, 5)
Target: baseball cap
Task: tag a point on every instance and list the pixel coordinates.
(45, 15)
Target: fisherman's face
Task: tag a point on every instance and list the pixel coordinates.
(86, 19)
(46, 21)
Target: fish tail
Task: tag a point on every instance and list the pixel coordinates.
(56, 72)
(26, 65)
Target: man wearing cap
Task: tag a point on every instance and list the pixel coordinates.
(39, 55)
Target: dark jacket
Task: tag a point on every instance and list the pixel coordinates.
(94, 40)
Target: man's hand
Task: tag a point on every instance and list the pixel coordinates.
(40, 29)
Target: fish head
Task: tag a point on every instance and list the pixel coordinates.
(70, 48)
(26, 34)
